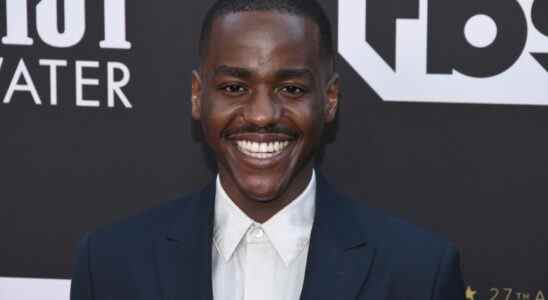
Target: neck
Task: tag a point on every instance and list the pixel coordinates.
(259, 210)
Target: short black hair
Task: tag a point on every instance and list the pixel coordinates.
(305, 8)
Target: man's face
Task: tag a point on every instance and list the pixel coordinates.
(263, 95)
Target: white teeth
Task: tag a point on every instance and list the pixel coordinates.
(261, 150)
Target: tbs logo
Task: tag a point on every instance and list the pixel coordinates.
(468, 51)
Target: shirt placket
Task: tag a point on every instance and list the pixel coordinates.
(259, 266)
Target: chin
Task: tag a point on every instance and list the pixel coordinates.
(261, 189)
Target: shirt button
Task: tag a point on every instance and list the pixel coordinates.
(258, 233)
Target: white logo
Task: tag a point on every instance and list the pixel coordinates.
(470, 51)
(75, 23)
(114, 77)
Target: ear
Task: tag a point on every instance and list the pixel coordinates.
(332, 103)
(196, 95)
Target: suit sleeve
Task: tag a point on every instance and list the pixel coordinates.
(82, 284)
(449, 284)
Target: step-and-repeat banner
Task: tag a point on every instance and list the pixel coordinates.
(443, 122)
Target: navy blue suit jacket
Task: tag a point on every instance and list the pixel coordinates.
(355, 253)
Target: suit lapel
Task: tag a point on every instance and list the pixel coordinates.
(184, 255)
(339, 257)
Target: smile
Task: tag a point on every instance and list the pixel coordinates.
(261, 150)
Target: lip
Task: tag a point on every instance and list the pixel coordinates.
(262, 137)
(261, 163)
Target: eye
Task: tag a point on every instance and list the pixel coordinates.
(293, 90)
(233, 89)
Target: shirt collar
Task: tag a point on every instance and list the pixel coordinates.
(288, 230)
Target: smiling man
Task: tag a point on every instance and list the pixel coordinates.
(269, 227)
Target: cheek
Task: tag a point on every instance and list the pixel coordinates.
(217, 115)
(308, 116)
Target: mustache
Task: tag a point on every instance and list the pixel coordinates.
(252, 128)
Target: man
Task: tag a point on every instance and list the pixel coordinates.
(269, 227)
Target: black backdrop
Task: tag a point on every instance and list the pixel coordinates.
(475, 173)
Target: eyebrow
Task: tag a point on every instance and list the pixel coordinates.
(232, 71)
(247, 73)
(293, 73)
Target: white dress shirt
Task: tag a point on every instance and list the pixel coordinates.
(253, 261)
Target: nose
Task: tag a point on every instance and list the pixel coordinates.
(263, 109)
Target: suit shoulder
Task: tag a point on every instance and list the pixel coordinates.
(141, 227)
(403, 249)
(400, 241)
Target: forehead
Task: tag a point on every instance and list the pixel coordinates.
(263, 40)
